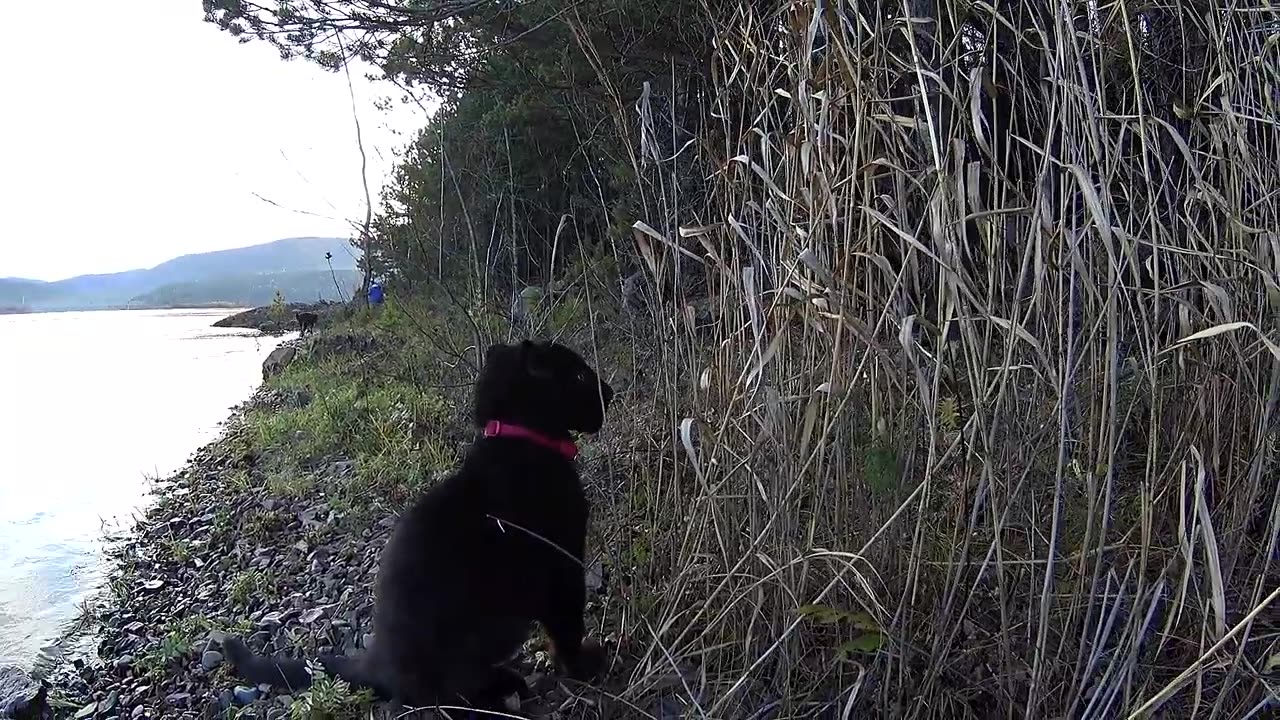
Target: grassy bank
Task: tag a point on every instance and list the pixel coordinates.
(781, 549)
(273, 531)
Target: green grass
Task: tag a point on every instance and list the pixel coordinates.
(351, 415)
(177, 644)
(249, 584)
(289, 484)
(372, 409)
(329, 697)
(176, 549)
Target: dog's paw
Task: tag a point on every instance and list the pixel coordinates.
(590, 662)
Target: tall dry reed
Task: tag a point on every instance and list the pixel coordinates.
(968, 366)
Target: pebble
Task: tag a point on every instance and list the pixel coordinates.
(244, 695)
(313, 615)
(210, 660)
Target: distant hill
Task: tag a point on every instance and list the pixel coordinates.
(295, 266)
(17, 292)
(255, 289)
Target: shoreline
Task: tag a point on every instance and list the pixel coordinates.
(132, 648)
(271, 531)
(264, 319)
(70, 630)
(67, 661)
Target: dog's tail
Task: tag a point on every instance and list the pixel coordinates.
(293, 673)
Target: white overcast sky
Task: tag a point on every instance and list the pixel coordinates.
(134, 132)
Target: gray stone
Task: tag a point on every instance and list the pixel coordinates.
(595, 577)
(210, 660)
(278, 360)
(299, 399)
(245, 695)
(21, 696)
(313, 615)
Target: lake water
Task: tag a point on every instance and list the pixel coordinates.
(94, 405)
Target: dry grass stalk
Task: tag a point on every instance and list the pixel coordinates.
(940, 454)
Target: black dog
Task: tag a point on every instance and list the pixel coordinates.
(492, 548)
(306, 322)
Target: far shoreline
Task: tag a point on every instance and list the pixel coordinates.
(119, 308)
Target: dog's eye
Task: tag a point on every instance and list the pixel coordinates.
(582, 377)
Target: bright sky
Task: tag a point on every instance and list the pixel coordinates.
(132, 133)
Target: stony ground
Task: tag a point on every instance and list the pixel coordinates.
(267, 320)
(278, 548)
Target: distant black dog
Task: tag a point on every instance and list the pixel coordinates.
(492, 548)
(306, 322)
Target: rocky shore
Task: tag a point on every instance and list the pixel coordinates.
(271, 532)
(268, 320)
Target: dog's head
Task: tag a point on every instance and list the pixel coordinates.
(543, 385)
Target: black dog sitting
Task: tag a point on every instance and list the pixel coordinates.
(492, 548)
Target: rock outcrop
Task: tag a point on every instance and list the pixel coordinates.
(275, 321)
(278, 360)
(22, 697)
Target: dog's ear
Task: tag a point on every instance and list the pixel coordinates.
(493, 386)
(535, 359)
(499, 355)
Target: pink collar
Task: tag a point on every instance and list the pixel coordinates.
(497, 428)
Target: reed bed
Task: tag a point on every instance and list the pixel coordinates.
(964, 365)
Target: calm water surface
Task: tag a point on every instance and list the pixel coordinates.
(93, 406)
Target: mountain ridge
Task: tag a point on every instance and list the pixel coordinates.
(310, 268)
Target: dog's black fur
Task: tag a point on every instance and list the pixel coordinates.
(471, 565)
(306, 322)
